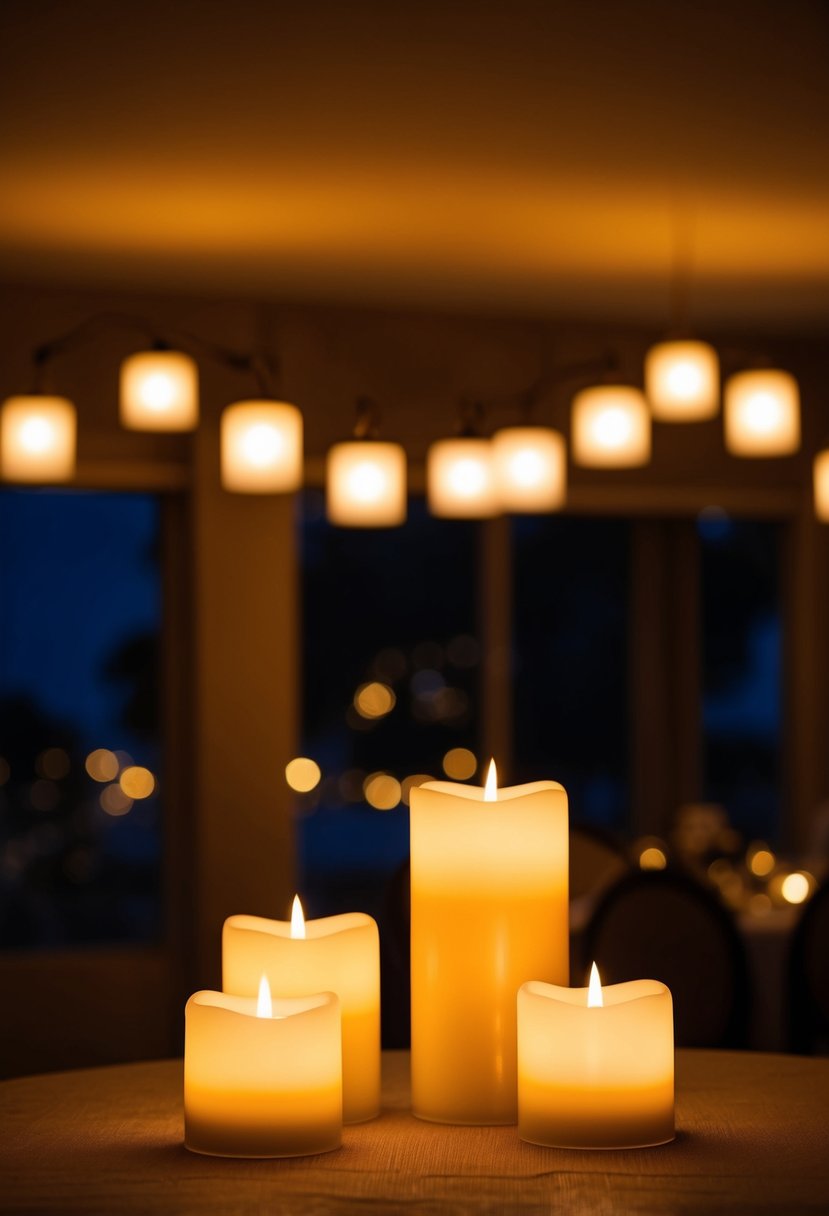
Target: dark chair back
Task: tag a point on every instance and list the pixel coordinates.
(395, 960)
(809, 977)
(596, 859)
(663, 925)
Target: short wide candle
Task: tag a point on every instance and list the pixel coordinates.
(336, 953)
(259, 1084)
(596, 1077)
(489, 910)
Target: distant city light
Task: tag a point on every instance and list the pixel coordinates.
(459, 763)
(796, 887)
(114, 801)
(53, 763)
(382, 791)
(302, 774)
(137, 782)
(374, 700)
(102, 765)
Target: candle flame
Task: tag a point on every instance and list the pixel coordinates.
(491, 787)
(595, 1000)
(264, 1004)
(297, 919)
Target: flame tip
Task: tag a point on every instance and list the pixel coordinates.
(595, 997)
(264, 1004)
(491, 786)
(297, 919)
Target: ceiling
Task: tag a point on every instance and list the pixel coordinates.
(528, 156)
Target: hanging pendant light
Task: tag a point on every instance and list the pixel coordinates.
(682, 381)
(821, 485)
(762, 413)
(460, 473)
(365, 480)
(261, 447)
(159, 391)
(611, 427)
(37, 439)
(530, 465)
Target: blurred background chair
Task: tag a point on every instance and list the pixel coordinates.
(664, 925)
(809, 977)
(597, 859)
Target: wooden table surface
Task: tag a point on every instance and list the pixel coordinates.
(753, 1137)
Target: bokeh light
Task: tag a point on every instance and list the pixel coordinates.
(409, 783)
(114, 801)
(796, 887)
(761, 860)
(459, 763)
(102, 764)
(374, 700)
(652, 858)
(382, 791)
(137, 782)
(302, 774)
(53, 763)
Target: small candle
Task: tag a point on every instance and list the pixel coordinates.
(596, 1066)
(262, 1077)
(336, 953)
(489, 911)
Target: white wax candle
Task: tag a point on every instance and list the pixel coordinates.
(259, 1083)
(596, 1076)
(489, 911)
(335, 953)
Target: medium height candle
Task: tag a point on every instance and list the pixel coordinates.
(489, 911)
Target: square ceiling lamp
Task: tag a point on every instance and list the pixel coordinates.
(37, 439)
(365, 484)
(611, 427)
(159, 391)
(682, 381)
(762, 413)
(261, 447)
(530, 468)
(460, 479)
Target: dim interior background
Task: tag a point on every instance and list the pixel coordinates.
(167, 649)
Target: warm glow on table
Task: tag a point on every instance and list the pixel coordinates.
(611, 427)
(262, 1077)
(682, 381)
(596, 1065)
(530, 468)
(460, 479)
(37, 439)
(820, 476)
(159, 391)
(762, 413)
(336, 953)
(365, 484)
(261, 447)
(489, 911)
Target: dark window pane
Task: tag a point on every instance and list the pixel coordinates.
(741, 658)
(80, 612)
(570, 639)
(390, 685)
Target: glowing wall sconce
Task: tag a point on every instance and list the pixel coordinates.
(530, 468)
(261, 447)
(821, 485)
(37, 439)
(366, 484)
(682, 381)
(611, 427)
(159, 391)
(762, 413)
(460, 479)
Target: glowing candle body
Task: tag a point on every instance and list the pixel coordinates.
(596, 1077)
(262, 1086)
(338, 954)
(489, 910)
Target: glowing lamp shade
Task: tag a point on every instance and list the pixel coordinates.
(159, 391)
(762, 414)
(366, 484)
(821, 484)
(460, 479)
(261, 447)
(611, 427)
(682, 381)
(37, 439)
(530, 468)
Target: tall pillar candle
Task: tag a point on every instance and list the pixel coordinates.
(489, 911)
(336, 953)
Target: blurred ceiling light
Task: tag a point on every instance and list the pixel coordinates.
(102, 764)
(365, 484)
(796, 887)
(137, 781)
(261, 447)
(762, 414)
(821, 485)
(374, 700)
(460, 479)
(37, 439)
(682, 381)
(460, 763)
(530, 468)
(382, 791)
(611, 427)
(159, 391)
(302, 774)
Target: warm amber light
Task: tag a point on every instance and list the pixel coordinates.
(796, 888)
(460, 479)
(530, 468)
(261, 447)
(652, 858)
(595, 998)
(761, 862)
(114, 801)
(159, 391)
(102, 764)
(297, 919)
(365, 484)
(491, 785)
(302, 774)
(611, 427)
(682, 381)
(264, 1003)
(382, 791)
(37, 439)
(374, 700)
(821, 486)
(137, 782)
(460, 763)
(762, 414)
